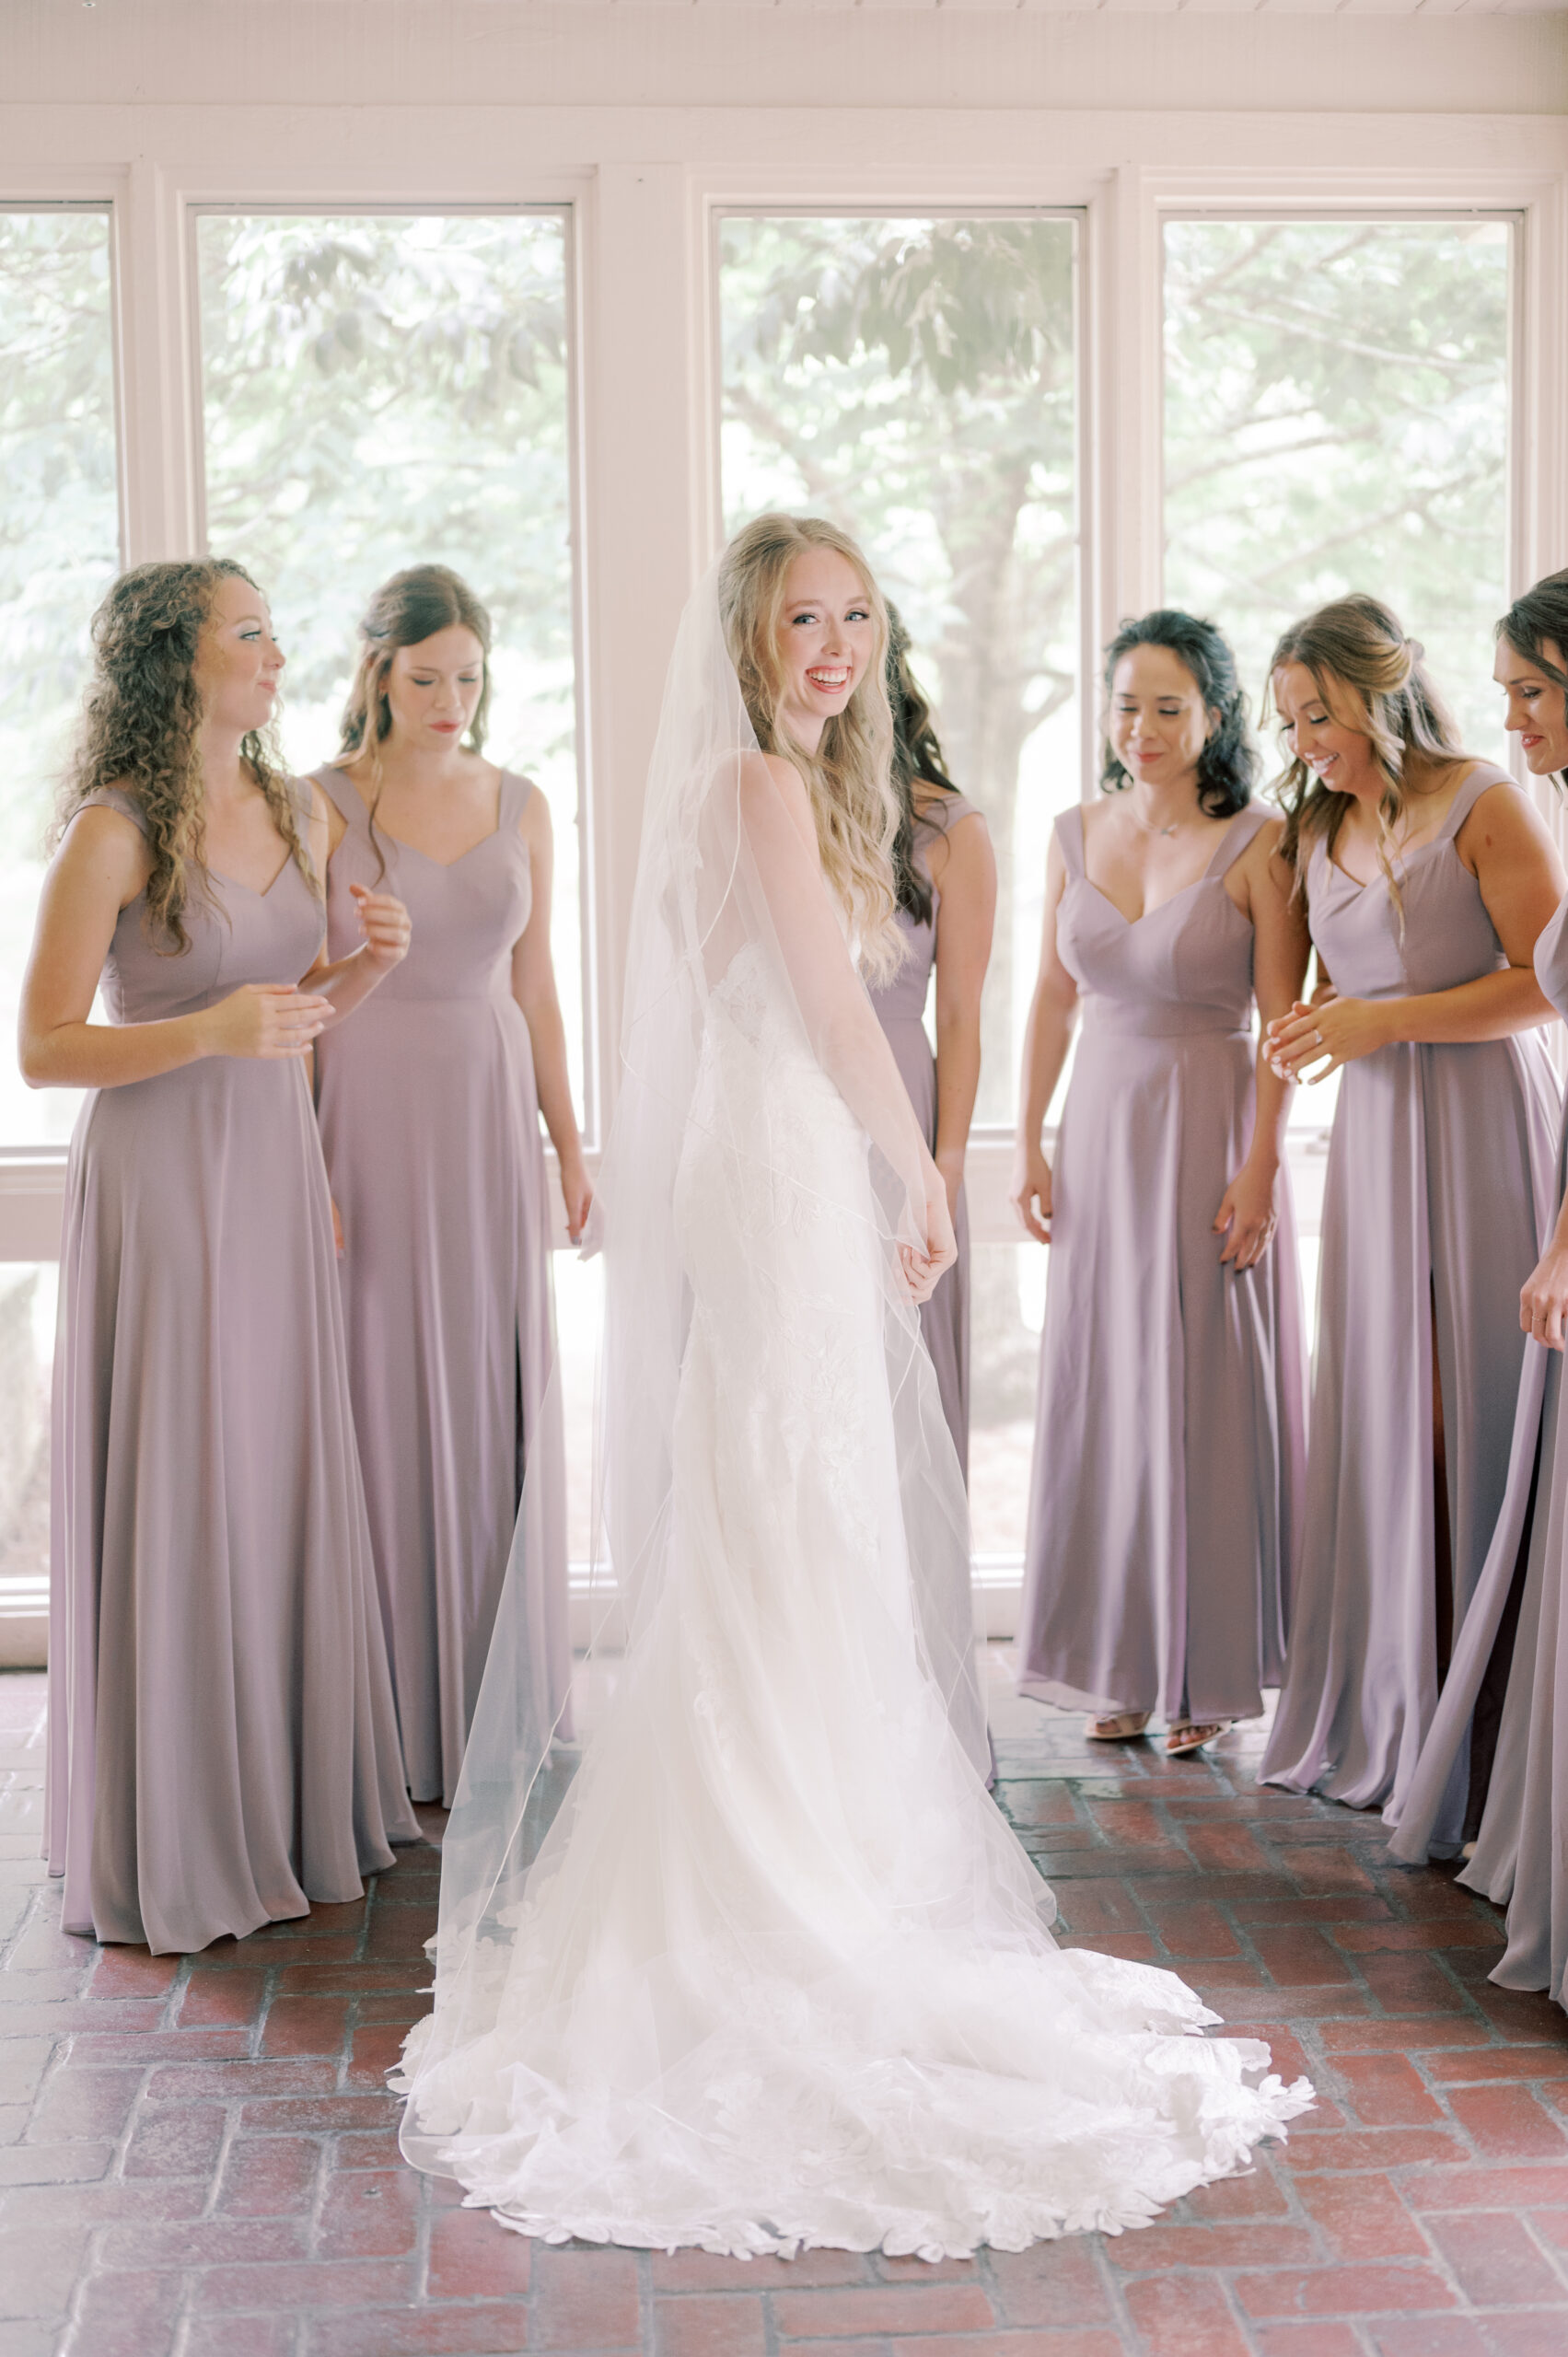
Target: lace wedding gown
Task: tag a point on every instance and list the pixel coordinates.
(779, 1974)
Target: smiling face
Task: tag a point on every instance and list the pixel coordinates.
(827, 637)
(1159, 720)
(1338, 753)
(1537, 705)
(434, 688)
(238, 660)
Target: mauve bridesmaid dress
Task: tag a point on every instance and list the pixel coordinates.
(1169, 1442)
(1520, 1859)
(221, 1743)
(1438, 1191)
(900, 1009)
(430, 1122)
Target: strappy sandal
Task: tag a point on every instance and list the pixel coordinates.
(1120, 1728)
(1193, 1738)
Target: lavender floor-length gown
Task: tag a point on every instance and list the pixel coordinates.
(1437, 1194)
(1169, 1442)
(900, 1009)
(430, 1122)
(1520, 1859)
(222, 1743)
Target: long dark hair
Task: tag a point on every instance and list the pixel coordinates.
(1540, 616)
(1228, 765)
(406, 611)
(917, 753)
(141, 731)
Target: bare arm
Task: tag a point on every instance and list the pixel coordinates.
(99, 869)
(966, 917)
(1048, 1035)
(533, 987)
(1280, 952)
(848, 1040)
(1504, 844)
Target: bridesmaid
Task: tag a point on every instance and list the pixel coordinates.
(221, 1743)
(946, 873)
(1495, 1764)
(1168, 1444)
(429, 1112)
(1428, 878)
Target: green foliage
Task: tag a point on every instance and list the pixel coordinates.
(914, 380)
(381, 391)
(59, 520)
(1337, 419)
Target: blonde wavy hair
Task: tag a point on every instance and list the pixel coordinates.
(854, 803)
(1358, 647)
(409, 608)
(140, 732)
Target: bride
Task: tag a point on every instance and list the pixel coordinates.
(778, 1974)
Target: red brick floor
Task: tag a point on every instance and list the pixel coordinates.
(198, 2159)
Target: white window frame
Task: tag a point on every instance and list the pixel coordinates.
(647, 408)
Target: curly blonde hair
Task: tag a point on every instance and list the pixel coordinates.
(854, 803)
(140, 732)
(409, 608)
(1359, 644)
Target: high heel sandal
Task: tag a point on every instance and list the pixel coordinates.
(1120, 1728)
(1192, 1738)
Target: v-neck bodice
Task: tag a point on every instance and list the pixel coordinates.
(235, 935)
(467, 914)
(1437, 936)
(1183, 967)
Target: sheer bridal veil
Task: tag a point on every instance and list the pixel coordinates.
(729, 901)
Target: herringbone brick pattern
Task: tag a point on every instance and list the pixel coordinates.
(198, 2158)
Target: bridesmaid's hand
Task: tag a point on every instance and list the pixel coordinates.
(1247, 1215)
(1030, 1193)
(264, 1019)
(384, 922)
(1334, 1033)
(920, 1269)
(1543, 1297)
(576, 1192)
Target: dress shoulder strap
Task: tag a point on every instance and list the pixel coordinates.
(1069, 831)
(515, 795)
(1481, 779)
(1241, 830)
(112, 798)
(343, 793)
(945, 810)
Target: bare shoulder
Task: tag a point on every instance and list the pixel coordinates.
(100, 837)
(1502, 821)
(767, 779)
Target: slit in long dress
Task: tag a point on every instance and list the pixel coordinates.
(1441, 1530)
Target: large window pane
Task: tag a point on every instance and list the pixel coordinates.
(59, 550)
(382, 390)
(1336, 418)
(916, 380)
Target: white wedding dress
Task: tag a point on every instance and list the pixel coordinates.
(779, 1975)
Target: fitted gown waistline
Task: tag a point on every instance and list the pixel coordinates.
(1125, 1018)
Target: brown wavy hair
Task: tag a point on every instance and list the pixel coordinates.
(849, 777)
(917, 753)
(1358, 644)
(407, 609)
(140, 732)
